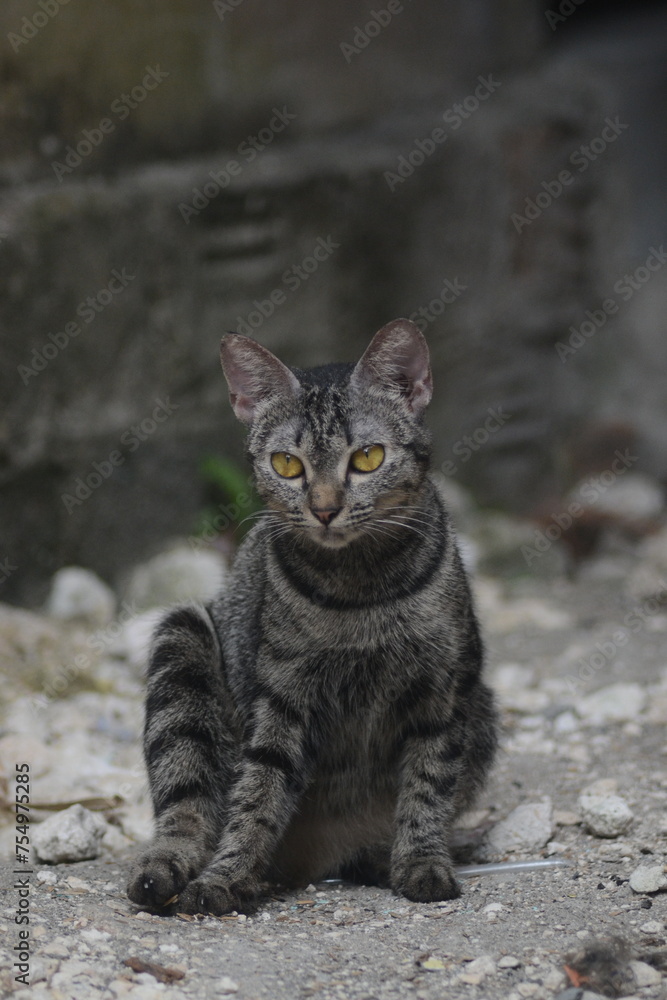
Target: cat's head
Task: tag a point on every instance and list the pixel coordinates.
(339, 452)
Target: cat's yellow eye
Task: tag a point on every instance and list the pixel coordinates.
(286, 465)
(368, 459)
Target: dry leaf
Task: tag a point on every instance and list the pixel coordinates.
(162, 973)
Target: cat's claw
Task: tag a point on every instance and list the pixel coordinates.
(428, 880)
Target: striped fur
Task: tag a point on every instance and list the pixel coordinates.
(327, 712)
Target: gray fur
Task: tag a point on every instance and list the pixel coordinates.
(326, 713)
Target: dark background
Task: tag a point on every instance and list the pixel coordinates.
(126, 408)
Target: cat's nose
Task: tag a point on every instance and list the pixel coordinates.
(325, 514)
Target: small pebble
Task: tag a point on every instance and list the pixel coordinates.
(645, 974)
(75, 834)
(648, 878)
(652, 927)
(615, 703)
(227, 985)
(509, 962)
(605, 815)
(78, 593)
(527, 828)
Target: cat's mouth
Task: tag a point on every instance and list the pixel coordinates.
(332, 537)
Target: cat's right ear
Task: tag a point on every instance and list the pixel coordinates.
(253, 375)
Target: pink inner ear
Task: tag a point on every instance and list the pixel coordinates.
(398, 358)
(253, 375)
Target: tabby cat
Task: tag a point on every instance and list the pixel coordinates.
(326, 713)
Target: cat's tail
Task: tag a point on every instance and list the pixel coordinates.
(190, 738)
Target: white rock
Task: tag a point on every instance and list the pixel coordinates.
(482, 966)
(78, 593)
(19, 747)
(508, 677)
(509, 962)
(565, 722)
(605, 815)
(46, 877)
(78, 883)
(652, 927)
(648, 878)
(72, 835)
(39, 654)
(144, 992)
(114, 839)
(632, 497)
(603, 786)
(645, 974)
(227, 985)
(527, 828)
(60, 947)
(180, 574)
(134, 639)
(615, 703)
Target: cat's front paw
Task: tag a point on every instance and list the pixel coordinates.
(216, 893)
(425, 880)
(161, 872)
(207, 895)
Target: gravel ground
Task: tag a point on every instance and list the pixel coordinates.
(580, 667)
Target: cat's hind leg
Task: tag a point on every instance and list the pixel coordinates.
(191, 748)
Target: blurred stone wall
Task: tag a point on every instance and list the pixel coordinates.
(270, 181)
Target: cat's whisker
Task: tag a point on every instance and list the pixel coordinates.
(258, 514)
(408, 527)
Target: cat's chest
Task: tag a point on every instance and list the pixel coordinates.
(345, 643)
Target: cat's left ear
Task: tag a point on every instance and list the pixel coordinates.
(397, 360)
(254, 375)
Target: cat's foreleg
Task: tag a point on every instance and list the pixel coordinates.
(271, 777)
(191, 749)
(432, 767)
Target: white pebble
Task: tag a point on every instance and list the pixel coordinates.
(652, 927)
(648, 878)
(78, 593)
(645, 974)
(508, 962)
(615, 703)
(605, 815)
(227, 985)
(527, 828)
(72, 835)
